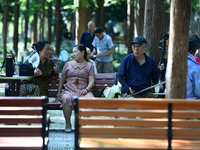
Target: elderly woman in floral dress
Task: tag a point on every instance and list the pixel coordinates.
(77, 78)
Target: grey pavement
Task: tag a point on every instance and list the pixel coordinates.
(58, 138)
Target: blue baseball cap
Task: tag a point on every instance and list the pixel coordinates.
(139, 40)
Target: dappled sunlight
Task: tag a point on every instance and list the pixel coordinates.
(140, 143)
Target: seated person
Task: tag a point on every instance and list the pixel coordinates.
(77, 79)
(52, 57)
(38, 85)
(137, 70)
(90, 60)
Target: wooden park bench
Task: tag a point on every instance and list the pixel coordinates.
(102, 80)
(142, 124)
(23, 123)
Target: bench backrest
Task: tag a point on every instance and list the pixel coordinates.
(102, 80)
(137, 118)
(23, 117)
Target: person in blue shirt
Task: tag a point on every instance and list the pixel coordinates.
(103, 48)
(193, 75)
(88, 36)
(137, 70)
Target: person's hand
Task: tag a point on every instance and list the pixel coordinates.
(99, 55)
(56, 69)
(161, 67)
(84, 92)
(37, 72)
(131, 90)
(57, 98)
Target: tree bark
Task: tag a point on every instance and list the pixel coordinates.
(82, 18)
(16, 25)
(153, 27)
(26, 26)
(100, 14)
(49, 21)
(58, 27)
(42, 20)
(34, 28)
(139, 18)
(5, 27)
(176, 79)
(130, 25)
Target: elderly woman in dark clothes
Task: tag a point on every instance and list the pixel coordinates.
(38, 85)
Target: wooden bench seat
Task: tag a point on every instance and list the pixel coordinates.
(142, 124)
(23, 123)
(102, 80)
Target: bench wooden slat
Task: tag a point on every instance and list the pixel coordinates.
(135, 144)
(141, 113)
(21, 143)
(20, 110)
(118, 122)
(138, 103)
(11, 102)
(20, 131)
(20, 119)
(158, 133)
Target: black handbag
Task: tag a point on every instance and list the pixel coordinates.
(26, 69)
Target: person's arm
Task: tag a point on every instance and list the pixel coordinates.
(124, 84)
(111, 51)
(60, 85)
(196, 80)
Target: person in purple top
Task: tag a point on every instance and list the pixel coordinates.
(137, 70)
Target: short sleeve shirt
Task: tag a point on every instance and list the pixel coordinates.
(138, 76)
(87, 39)
(103, 46)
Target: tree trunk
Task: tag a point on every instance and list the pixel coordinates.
(49, 21)
(34, 28)
(5, 27)
(42, 20)
(139, 17)
(178, 49)
(26, 26)
(130, 23)
(16, 25)
(82, 18)
(100, 14)
(58, 27)
(153, 27)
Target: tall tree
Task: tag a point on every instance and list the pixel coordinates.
(139, 18)
(16, 25)
(26, 25)
(100, 14)
(34, 27)
(5, 27)
(82, 18)
(178, 49)
(130, 24)
(49, 21)
(42, 20)
(153, 26)
(58, 26)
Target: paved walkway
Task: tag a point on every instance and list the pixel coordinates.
(58, 139)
